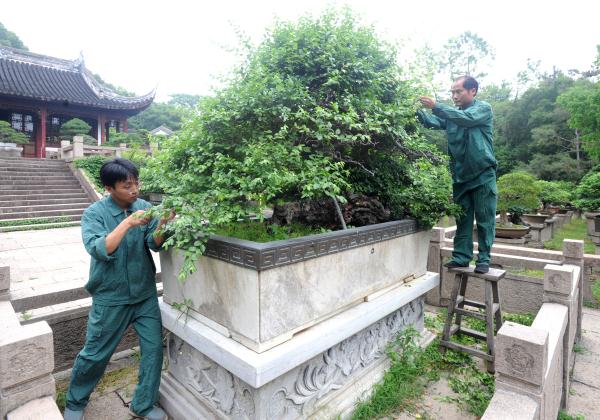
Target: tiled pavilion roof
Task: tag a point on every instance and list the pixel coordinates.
(49, 79)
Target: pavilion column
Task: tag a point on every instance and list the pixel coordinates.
(101, 129)
(40, 140)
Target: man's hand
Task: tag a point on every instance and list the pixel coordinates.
(427, 102)
(164, 220)
(137, 219)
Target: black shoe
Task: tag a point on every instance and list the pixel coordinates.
(482, 268)
(454, 264)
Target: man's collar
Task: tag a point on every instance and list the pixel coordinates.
(115, 210)
(471, 104)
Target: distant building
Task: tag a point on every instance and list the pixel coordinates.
(162, 130)
(39, 93)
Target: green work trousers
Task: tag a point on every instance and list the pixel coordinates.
(478, 203)
(106, 326)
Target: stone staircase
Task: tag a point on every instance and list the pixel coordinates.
(39, 194)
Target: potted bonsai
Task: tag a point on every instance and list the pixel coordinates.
(516, 189)
(556, 196)
(10, 139)
(318, 126)
(587, 198)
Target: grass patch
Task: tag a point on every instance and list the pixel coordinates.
(577, 229)
(596, 290)
(253, 230)
(38, 221)
(538, 274)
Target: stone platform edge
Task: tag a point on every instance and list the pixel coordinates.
(257, 369)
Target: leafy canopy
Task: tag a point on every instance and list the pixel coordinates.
(587, 193)
(518, 189)
(317, 110)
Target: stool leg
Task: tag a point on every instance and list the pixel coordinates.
(451, 306)
(464, 279)
(498, 314)
(489, 320)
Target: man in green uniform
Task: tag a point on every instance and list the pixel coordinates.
(473, 167)
(123, 288)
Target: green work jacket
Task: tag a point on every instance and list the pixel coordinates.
(470, 141)
(128, 275)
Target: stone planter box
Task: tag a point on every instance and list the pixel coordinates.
(597, 224)
(262, 294)
(590, 218)
(291, 329)
(10, 150)
(537, 219)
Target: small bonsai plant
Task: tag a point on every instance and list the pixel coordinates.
(516, 189)
(587, 193)
(10, 135)
(555, 193)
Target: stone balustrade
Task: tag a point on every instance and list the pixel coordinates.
(520, 293)
(26, 363)
(533, 363)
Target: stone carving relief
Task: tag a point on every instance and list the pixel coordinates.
(519, 360)
(331, 370)
(209, 381)
(296, 393)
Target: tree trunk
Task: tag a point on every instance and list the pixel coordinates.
(359, 210)
(577, 153)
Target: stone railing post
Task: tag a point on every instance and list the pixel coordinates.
(522, 360)
(77, 147)
(4, 283)
(434, 263)
(561, 286)
(573, 255)
(63, 143)
(120, 150)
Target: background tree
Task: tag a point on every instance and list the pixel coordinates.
(466, 54)
(10, 135)
(157, 114)
(10, 39)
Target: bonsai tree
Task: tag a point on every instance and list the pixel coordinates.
(10, 135)
(318, 111)
(517, 189)
(558, 193)
(587, 193)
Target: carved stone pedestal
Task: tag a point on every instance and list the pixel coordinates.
(319, 373)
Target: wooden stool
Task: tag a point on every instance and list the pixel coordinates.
(491, 307)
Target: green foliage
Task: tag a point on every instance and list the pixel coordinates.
(555, 167)
(10, 39)
(10, 135)
(133, 138)
(564, 416)
(464, 54)
(582, 101)
(117, 89)
(184, 100)
(596, 290)
(317, 110)
(74, 127)
(258, 231)
(518, 189)
(558, 193)
(158, 114)
(587, 193)
(91, 165)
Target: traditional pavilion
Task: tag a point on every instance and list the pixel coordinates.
(38, 93)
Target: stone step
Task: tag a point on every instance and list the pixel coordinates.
(18, 161)
(39, 226)
(42, 196)
(43, 207)
(39, 186)
(42, 213)
(45, 181)
(30, 167)
(43, 189)
(28, 171)
(31, 178)
(17, 202)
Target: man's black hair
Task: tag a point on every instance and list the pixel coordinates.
(117, 170)
(469, 83)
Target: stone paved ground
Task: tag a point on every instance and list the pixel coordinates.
(45, 257)
(585, 387)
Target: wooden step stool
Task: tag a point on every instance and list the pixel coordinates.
(491, 308)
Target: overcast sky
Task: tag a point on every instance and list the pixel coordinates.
(181, 46)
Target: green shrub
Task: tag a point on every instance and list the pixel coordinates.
(10, 135)
(587, 193)
(517, 189)
(75, 127)
(558, 193)
(91, 165)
